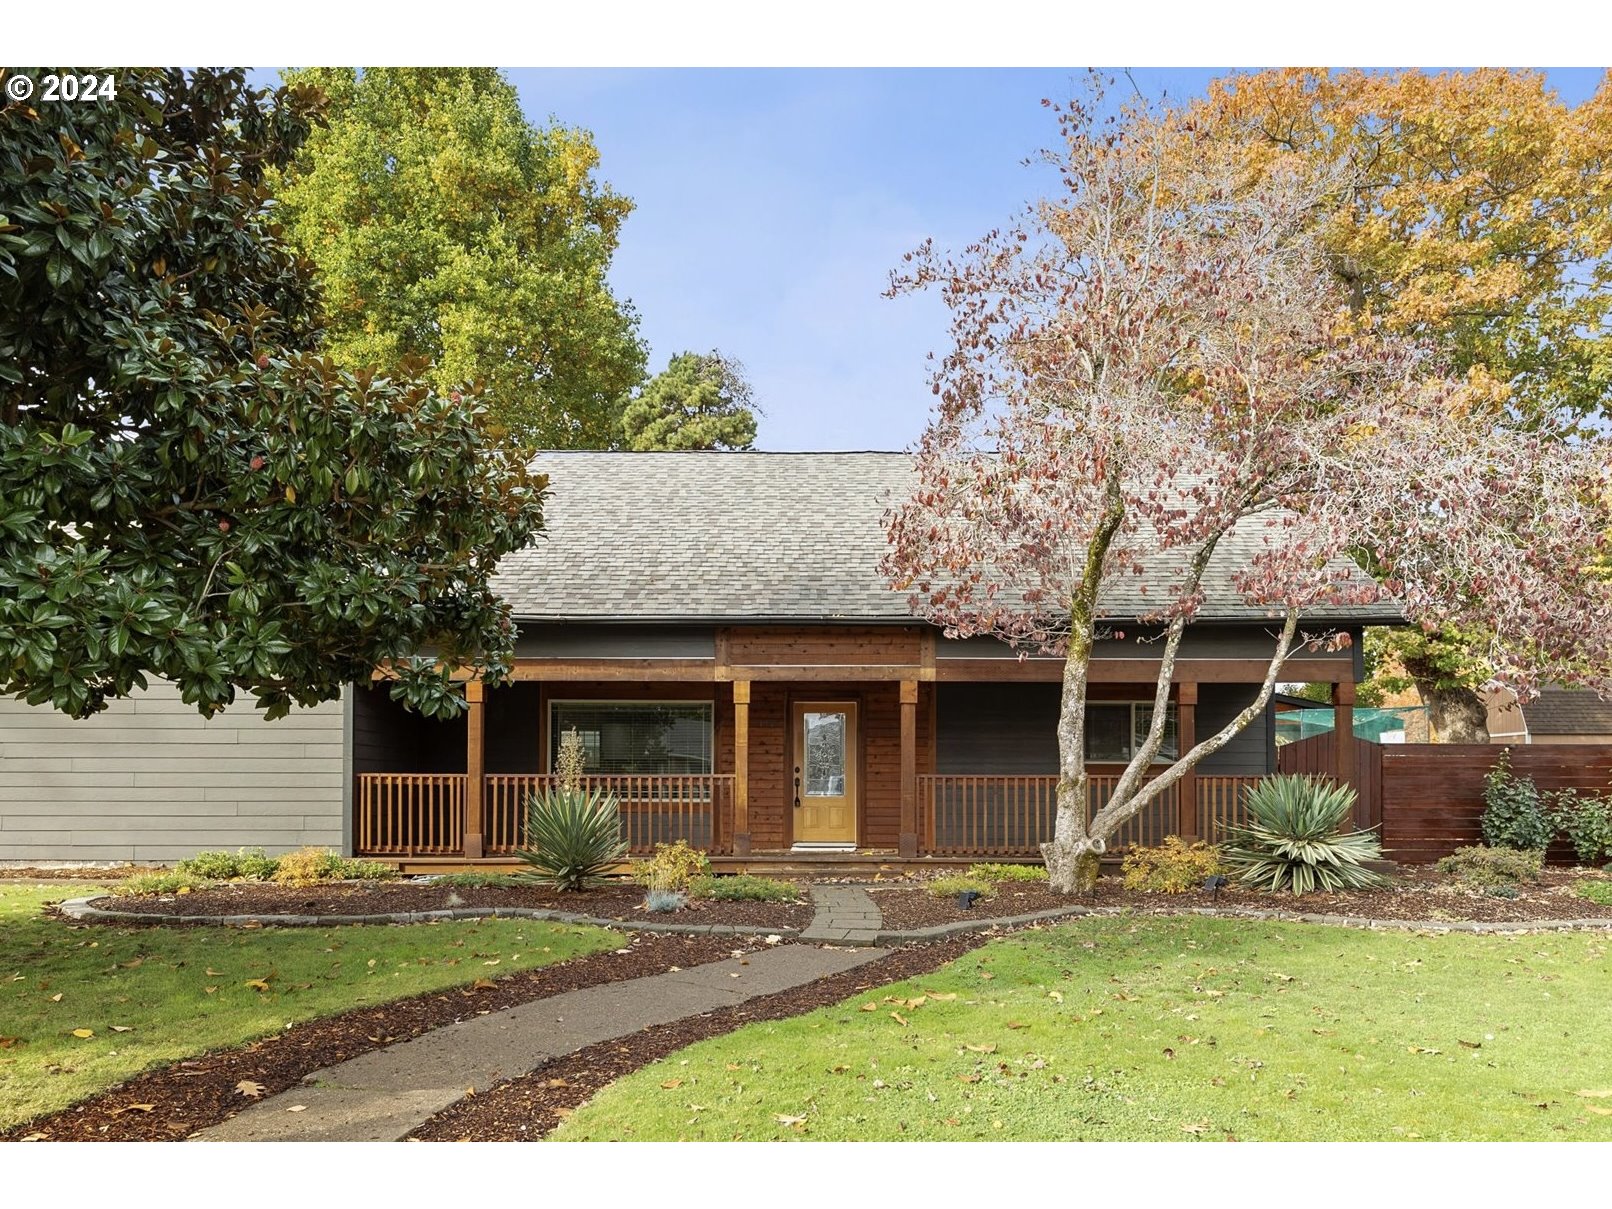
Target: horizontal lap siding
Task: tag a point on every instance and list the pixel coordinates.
(850, 645)
(150, 779)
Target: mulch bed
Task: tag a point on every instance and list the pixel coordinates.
(616, 901)
(194, 1094)
(527, 1108)
(1417, 894)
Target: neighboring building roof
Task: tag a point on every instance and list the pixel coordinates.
(1568, 711)
(733, 537)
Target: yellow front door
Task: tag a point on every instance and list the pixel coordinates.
(824, 783)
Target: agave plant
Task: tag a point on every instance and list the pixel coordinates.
(574, 835)
(1294, 839)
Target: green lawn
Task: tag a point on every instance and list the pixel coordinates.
(154, 995)
(1168, 1029)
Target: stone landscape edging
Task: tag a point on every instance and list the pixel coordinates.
(81, 909)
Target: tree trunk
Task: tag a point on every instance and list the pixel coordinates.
(1456, 713)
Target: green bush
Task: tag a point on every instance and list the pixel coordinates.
(1485, 868)
(1595, 890)
(173, 882)
(672, 867)
(250, 865)
(952, 886)
(1174, 867)
(352, 869)
(1009, 873)
(1585, 822)
(1294, 839)
(1513, 815)
(744, 887)
(574, 837)
(474, 880)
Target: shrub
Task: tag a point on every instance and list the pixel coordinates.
(473, 880)
(173, 882)
(1513, 816)
(672, 867)
(952, 886)
(1009, 873)
(306, 866)
(744, 887)
(1174, 867)
(1294, 839)
(661, 901)
(1595, 891)
(251, 865)
(1485, 868)
(1585, 822)
(575, 835)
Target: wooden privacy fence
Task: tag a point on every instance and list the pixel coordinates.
(422, 814)
(1432, 793)
(1014, 816)
(1317, 756)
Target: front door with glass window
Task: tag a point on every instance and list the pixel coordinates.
(823, 783)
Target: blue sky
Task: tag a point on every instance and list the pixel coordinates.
(772, 205)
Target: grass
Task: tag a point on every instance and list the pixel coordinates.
(153, 995)
(1173, 1029)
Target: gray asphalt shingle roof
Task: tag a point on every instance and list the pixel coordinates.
(1568, 711)
(746, 537)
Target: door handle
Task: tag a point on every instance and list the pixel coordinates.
(797, 789)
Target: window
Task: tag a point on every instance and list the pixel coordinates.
(1115, 730)
(646, 738)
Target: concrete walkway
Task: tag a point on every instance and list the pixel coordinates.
(845, 915)
(385, 1094)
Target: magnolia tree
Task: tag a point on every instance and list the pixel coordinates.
(1155, 384)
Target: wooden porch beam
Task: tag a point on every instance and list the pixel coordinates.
(1343, 730)
(475, 767)
(741, 768)
(1139, 671)
(908, 841)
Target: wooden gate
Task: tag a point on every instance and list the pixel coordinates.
(1316, 756)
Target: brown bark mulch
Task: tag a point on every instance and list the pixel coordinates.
(617, 901)
(194, 1094)
(527, 1108)
(1417, 894)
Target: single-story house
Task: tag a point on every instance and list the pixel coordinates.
(716, 630)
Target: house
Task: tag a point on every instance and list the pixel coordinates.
(715, 628)
(1557, 715)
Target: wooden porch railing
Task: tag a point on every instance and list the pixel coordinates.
(1014, 815)
(422, 814)
(409, 814)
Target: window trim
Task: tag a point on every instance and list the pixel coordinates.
(1134, 703)
(552, 745)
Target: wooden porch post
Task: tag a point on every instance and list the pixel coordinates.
(741, 768)
(909, 768)
(1343, 731)
(1186, 735)
(475, 766)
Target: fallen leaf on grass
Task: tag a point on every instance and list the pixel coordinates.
(257, 984)
(84, 1033)
(56, 998)
(211, 973)
(939, 997)
(1598, 1110)
(794, 1122)
(122, 1028)
(1196, 1127)
(1594, 1095)
(868, 1007)
(898, 1018)
(298, 1108)
(968, 1078)
(1055, 996)
(248, 1088)
(671, 1084)
(1017, 1024)
(1421, 1049)
(209, 990)
(981, 1049)
(7, 1042)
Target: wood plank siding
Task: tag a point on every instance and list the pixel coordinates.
(150, 779)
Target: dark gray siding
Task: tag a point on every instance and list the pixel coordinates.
(513, 722)
(389, 738)
(1011, 730)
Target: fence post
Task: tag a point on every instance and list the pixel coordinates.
(1186, 732)
(475, 767)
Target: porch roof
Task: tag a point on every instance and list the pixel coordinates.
(748, 537)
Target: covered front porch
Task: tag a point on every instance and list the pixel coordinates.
(841, 748)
